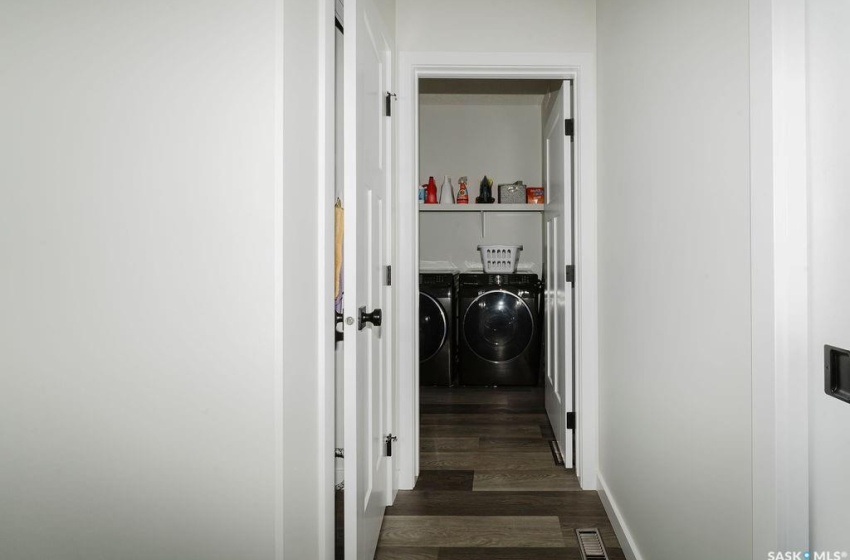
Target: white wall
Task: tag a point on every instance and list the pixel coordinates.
(496, 25)
(454, 237)
(137, 337)
(828, 59)
(675, 397)
(475, 135)
(387, 9)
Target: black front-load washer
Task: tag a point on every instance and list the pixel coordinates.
(498, 328)
(437, 310)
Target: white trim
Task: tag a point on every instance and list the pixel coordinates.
(325, 359)
(581, 68)
(790, 231)
(627, 542)
(279, 453)
(406, 457)
(392, 291)
(779, 233)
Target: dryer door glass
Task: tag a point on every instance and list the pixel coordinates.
(433, 327)
(498, 326)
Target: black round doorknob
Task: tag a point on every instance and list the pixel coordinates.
(374, 317)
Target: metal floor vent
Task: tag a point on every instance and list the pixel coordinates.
(590, 543)
(556, 452)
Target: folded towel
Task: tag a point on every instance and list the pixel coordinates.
(338, 240)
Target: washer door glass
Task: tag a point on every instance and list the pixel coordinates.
(433, 327)
(498, 326)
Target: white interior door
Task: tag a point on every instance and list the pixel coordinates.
(366, 400)
(558, 296)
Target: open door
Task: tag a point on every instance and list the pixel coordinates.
(558, 298)
(366, 377)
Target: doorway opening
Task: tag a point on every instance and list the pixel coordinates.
(494, 312)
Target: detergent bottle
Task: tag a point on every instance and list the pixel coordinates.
(431, 191)
(447, 195)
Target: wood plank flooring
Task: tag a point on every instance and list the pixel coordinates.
(488, 486)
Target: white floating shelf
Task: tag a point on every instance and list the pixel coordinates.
(481, 207)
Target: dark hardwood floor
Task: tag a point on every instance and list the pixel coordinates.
(489, 487)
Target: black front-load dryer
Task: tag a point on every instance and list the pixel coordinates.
(437, 310)
(498, 328)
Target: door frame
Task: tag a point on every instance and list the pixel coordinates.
(581, 68)
(779, 240)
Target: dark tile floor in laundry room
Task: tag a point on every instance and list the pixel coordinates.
(489, 488)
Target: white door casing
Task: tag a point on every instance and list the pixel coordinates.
(367, 397)
(558, 300)
(827, 46)
(580, 69)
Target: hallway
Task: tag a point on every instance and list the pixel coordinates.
(489, 487)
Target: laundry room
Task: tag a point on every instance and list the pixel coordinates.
(495, 242)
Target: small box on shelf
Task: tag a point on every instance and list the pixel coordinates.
(534, 195)
(513, 193)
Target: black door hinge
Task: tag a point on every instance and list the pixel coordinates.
(569, 127)
(571, 273)
(571, 420)
(389, 440)
(389, 101)
(389, 275)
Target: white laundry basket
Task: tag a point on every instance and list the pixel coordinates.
(500, 258)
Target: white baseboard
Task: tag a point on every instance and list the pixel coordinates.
(620, 528)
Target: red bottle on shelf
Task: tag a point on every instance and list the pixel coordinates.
(431, 192)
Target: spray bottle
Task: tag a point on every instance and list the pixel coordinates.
(462, 193)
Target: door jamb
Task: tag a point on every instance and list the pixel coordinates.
(579, 67)
(779, 275)
(325, 362)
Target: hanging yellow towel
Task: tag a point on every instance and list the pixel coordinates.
(338, 237)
